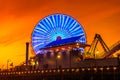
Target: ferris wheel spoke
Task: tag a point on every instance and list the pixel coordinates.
(63, 20)
(36, 34)
(37, 52)
(50, 21)
(76, 29)
(40, 31)
(56, 20)
(53, 21)
(73, 26)
(43, 27)
(68, 26)
(59, 22)
(77, 34)
(39, 37)
(48, 25)
(38, 45)
(66, 22)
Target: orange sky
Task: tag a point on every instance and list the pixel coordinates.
(18, 18)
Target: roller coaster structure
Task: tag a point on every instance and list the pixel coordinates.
(107, 51)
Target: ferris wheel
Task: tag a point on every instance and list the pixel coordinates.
(55, 26)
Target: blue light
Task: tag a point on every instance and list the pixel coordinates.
(52, 26)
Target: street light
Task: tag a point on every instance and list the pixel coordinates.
(58, 57)
(118, 59)
(9, 63)
(96, 54)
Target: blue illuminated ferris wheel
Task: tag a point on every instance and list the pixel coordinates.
(54, 26)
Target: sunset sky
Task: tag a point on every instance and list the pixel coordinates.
(19, 17)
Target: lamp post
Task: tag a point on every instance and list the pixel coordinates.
(7, 64)
(119, 59)
(96, 53)
(8, 61)
(70, 54)
(58, 57)
(33, 64)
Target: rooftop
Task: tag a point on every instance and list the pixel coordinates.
(63, 42)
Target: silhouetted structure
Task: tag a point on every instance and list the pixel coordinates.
(27, 52)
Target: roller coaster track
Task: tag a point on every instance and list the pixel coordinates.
(93, 46)
(107, 51)
(114, 48)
